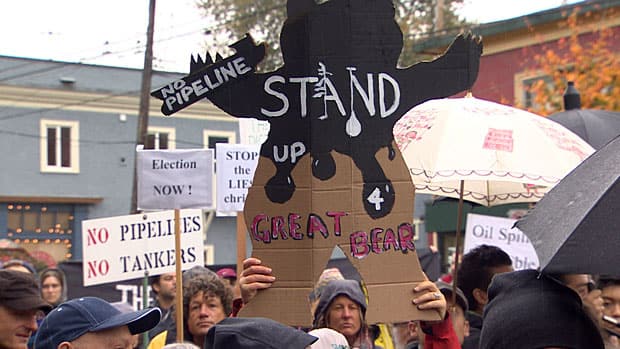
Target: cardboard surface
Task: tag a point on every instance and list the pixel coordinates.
(329, 172)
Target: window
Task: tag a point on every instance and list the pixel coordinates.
(211, 138)
(60, 146)
(209, 254)
(528, 96)
(160, 138)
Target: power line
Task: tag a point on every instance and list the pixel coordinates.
(63, 106)
(93, 142)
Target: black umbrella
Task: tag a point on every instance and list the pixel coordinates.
(597, 127)
(575, 227)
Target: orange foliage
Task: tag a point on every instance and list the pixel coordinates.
(592, 65)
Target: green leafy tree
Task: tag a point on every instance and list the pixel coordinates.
(230, 20)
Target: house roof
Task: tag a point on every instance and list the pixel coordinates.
(436, 42)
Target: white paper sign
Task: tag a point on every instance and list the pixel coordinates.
(498, 231)
(252, 131)
(236, 164)
(124, 247)
(171, 179)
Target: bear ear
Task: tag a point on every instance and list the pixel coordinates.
(295, 8)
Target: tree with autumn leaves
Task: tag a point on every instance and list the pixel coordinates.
(586, 57)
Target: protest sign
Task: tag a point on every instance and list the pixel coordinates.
(235, 170)
(329, 173)
(499, 231)
(124, 247)
(252, 131)
(172, 179)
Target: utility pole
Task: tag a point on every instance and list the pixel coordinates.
(439, 22)
(145, 95)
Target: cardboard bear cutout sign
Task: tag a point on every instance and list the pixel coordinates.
(330, 173)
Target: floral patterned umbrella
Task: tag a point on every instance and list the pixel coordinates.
(502, 154)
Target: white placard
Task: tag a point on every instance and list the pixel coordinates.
(252, 131)
(498, 231)
(172, 179)
(236, 164)
(124, 247)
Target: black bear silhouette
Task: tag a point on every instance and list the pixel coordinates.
(339, 90)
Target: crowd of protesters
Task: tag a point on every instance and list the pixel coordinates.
(493, 307)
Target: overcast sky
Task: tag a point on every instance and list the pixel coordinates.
(113, 32)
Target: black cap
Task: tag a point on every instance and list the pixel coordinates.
(446, 289)
(19, 291)
(243, 333)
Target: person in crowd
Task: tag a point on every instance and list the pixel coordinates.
(342, 306)
(93, 323)
(170, 325)
(53, 290)
(474, 275)
(125, 307)
(21, 306)
(409, 335)
(228, 275)
(19, 265)
(610, 293)
(530, 310)
(241, 333)
(53, 286)
(585, 288)
(405, 335)
(458, 311)
(164, 287)
(378, 332)
(206, 301)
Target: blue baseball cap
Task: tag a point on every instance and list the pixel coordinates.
(76, 317)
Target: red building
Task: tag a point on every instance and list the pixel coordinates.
(507, 65)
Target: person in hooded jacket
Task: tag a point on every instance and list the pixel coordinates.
(342, 307)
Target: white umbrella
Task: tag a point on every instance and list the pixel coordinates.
(502, 154)
(485, 152)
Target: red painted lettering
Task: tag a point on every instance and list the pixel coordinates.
(406, 235)
(315, 223)
(97, 236)
(277, 228)
(336, 216)
(359, 244)
(260, 235)
(293, 226)
(96, 268)
(375, 239)
(390, 240)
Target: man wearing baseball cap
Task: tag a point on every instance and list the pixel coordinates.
(20, 307)
(93, 323)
